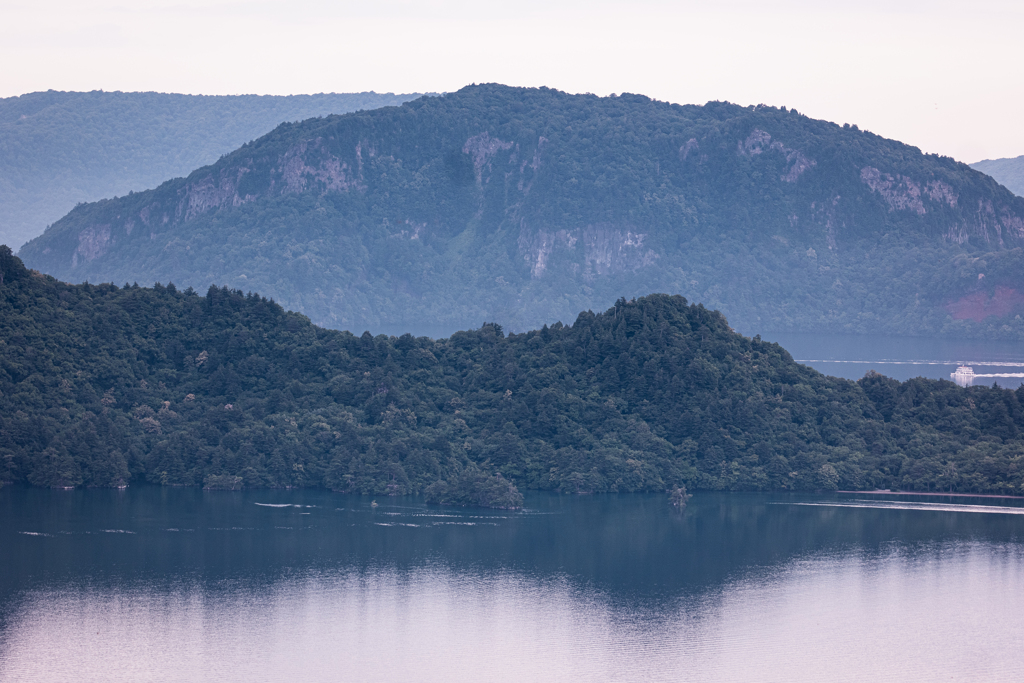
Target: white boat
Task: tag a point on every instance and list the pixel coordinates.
(964, 375)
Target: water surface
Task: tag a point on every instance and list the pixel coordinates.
(853, 355)
(163, 584)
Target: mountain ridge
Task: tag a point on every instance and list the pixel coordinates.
(524, 205)
(58, 149)
(1009, 172)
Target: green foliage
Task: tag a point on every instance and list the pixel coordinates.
(528, 205)
(678, 497)
(472, 487)
(100, 385)
(58, 149)
(223, 482)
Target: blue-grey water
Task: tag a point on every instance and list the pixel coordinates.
(170, 584)
(853, 355)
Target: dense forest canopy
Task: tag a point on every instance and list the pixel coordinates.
(528, 205)
(102, 385)
(58, 149)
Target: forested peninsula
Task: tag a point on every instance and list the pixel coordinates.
(525, 206)
(103, 385)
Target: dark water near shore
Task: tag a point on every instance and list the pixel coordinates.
(902, 358)
(153, 584)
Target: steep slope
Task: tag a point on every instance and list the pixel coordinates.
(58, 149)
(1009, 172)
(525, 206)
(101, 385)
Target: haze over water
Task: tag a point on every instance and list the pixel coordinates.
(156, 584)
(853, 355)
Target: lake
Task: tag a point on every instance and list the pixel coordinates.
(852, 355)
(172, 584)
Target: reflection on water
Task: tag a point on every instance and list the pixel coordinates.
(270, 586)
(914, 505)
(852, 355)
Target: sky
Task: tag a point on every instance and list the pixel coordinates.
(945, 76)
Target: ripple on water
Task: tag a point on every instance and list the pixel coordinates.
(840, 617)
(737, 588)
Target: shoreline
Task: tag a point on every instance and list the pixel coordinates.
(881, 492)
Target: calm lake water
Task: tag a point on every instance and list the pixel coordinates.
(153, 584)
(851, 356)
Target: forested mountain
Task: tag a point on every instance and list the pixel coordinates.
(527, 205)
(58, 149)
(101, 385)
(1009, 172)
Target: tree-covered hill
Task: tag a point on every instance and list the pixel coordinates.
(101, 385)
(528, 205)
(58, 149)
(1009, 172)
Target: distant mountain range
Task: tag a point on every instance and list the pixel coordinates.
(525, 206)
(58, 149)
(1009, 172)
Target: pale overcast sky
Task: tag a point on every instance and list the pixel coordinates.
(945, 76)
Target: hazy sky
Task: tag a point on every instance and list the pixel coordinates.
(945, 76)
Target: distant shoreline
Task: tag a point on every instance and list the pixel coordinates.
(949, 495)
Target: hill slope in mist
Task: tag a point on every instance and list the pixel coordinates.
(527, 205)
(58, 149)
(1009, 172)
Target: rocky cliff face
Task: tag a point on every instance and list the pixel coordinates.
(58, 149)
(526, 205)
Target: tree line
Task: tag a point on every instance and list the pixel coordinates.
(103, 385)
